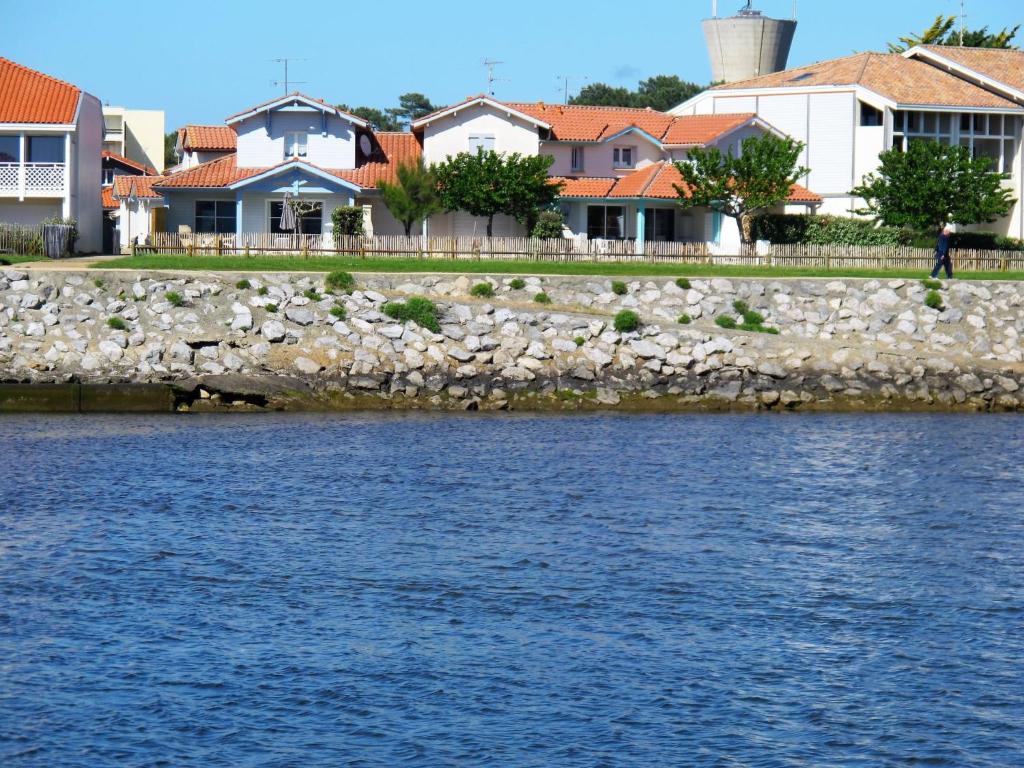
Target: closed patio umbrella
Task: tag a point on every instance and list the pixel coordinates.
(288, 220)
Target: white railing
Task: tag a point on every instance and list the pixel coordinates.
(32, 179)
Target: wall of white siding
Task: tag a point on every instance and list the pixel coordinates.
(449, 136)
(461, 223)
(732, 104)
(830, 151)
(259, 149)
(28, 212)
(383, 222)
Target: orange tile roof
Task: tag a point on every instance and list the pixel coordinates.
(28, 96)
(142, 186)
(652, 182)
(698, 130)
(1003, 65)
(107, 198)
(215, 173)
(146, 169)
(390, 150)
(906, 81)
(208, 138)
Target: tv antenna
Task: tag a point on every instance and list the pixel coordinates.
(491, 79)
(286, 82)
(565, 80)
(963, 19)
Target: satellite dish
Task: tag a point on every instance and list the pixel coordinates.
(366, 145)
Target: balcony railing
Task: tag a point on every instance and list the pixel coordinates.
(31, 179)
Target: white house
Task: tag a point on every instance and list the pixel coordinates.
(848, 110)
(615, 164)
(51, 135)
(294, 144)
(136, 134)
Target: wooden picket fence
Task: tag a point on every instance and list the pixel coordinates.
(566, 250)
(21, 239)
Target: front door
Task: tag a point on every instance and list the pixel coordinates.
(664, 221)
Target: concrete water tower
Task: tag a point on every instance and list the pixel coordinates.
(748, 44)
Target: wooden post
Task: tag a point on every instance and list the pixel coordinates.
(133, 249)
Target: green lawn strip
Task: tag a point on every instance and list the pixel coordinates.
(18, 258)
(467, 266)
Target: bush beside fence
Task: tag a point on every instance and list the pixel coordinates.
(801, 256)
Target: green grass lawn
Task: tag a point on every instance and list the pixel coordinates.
(17, 258)
(625, 269)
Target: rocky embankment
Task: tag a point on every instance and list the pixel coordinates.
(285, 341)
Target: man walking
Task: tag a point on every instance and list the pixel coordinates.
(942, 258)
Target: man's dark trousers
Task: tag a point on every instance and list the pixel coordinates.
(942, 260)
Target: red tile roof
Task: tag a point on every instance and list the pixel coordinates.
(107, 198)
(208, 138)
(906, 81)
(142, 186)
(390, 150)
(652, 182)
(216, 173)
(698, 130)
(148, 170)
(27, 96)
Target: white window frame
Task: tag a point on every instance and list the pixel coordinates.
(300, 145)
(483, 140)
(979, 127)
(618, 158)
(108, 173)
(577, 159)
(324, 218)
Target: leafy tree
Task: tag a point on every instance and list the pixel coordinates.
(487, 183)
(930, 185)
(414, 197)
(413, 106)
(380, 120)
(661, 92)
(944, 31)
(170, 140)
(738, 186)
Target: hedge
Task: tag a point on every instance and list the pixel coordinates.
(825, 230)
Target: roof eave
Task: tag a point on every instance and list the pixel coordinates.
(950, 64)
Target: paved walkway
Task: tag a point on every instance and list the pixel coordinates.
(75, 264)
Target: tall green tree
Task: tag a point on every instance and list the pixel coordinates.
(170, 141)
(486, 184)
(661, 92)
(740, 185)
(930, 185)
(604, 95)
(945, 31)
(414, 196)
(413, 106)
(380, 120)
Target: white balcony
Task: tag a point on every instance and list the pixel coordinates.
(32, 180)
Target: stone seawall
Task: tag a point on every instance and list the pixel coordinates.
(841, 344)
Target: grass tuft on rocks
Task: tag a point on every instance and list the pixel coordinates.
(626, 321)
(243, 285)
(340, 281)
(311, 294)
(263, 290)
(270, 307)
(579, 341)
(517, 284)
(482, 290)
(933, 299)
(931, 284)
(685, 319)
(542, 298)
(116, 323)
(174, 298)
(725, 321)
(421, 311)
(98, 282)
(683, 283)
(619, 288)
(339, 311)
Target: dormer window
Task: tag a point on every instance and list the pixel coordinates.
(622, 157)
(294, 144)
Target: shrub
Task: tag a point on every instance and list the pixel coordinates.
(542, 298)
(340, 281)
(518, 284)
(339, 311)
(725, 321)
(619, 288)
(348, 220)
(243, 285)
(825, 230)
(116, 323)
(740, 306)
(683, 283)
(421, 311)
(932, 285)
(580, 341)
(549, 225)
(483, 290)
(934, 300)
(263, 290)
(174, 298)
(685, 319)
(750, 317)
(311, 294)
(270, 307)
(627, 320)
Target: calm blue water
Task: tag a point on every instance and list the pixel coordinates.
(538, 591)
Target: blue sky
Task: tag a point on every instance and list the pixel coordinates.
(202, 61)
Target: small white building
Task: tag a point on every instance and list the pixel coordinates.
(616, 165)
(848, 110)
(51, 135)
(137, 134)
